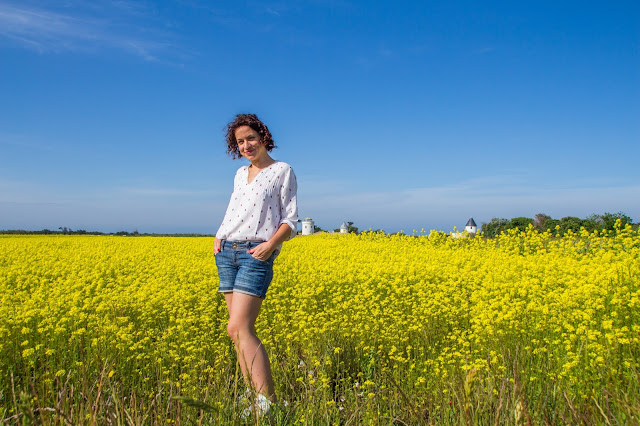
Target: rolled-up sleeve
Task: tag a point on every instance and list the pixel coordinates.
(289, 200)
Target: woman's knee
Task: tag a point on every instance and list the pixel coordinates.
(237, 330)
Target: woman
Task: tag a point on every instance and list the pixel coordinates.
(261, 215)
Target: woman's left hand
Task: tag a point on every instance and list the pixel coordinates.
(262, 251)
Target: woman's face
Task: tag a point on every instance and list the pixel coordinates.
(249, 143)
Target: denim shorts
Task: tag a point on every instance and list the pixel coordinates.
(240, 272)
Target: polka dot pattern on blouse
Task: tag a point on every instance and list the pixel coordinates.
(258, 208)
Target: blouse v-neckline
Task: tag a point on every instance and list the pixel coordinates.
(258, 174)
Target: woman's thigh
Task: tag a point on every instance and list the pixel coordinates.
(243, 309)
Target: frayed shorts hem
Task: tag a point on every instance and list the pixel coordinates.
(235, 290)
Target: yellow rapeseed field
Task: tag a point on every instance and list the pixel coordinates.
(361, 329)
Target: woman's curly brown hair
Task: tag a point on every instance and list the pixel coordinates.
(252, 121)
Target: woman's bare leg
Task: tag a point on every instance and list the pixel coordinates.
(254, 362)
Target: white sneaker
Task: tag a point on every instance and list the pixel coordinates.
(244, 399)
(261, 406)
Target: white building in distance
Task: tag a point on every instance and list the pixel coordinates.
(308, 226)
(471, 227)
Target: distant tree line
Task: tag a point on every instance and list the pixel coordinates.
(63, 230)
(543, 222)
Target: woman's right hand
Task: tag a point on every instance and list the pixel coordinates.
(216, 246)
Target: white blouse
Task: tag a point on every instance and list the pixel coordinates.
(257, 209)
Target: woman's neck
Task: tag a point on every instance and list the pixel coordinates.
(262, 163)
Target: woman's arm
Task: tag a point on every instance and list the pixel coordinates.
(264, 250)
(289, 199)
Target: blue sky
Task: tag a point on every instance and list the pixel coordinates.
(394, 115)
